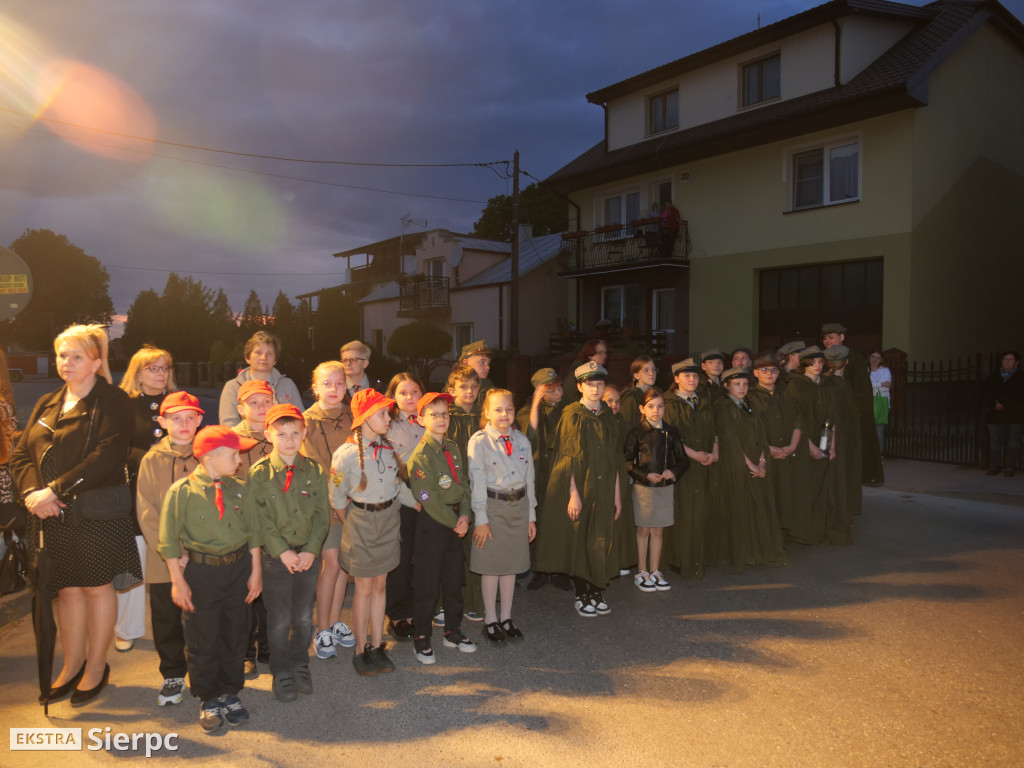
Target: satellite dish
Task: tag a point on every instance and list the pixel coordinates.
(15, 284)
(456, 257)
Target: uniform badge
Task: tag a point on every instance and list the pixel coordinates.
(420, 474)
(424, 496)
(444, 482)
(336, 478)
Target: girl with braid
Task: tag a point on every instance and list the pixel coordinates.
(367, 485)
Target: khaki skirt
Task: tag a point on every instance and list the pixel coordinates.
(653, 507)
(370, 541)
(509, 550)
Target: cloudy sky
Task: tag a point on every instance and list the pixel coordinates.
(413, 82)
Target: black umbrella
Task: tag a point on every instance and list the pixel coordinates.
(42, 620)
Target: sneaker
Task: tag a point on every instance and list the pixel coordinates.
(474, 617)
(210, 719)
(233, 711)
(170, 693)
(381, 660)
(325, 645)
(439, 618)
(659, 582)
(584, 607)
(343, 635)
(424, 653)
(597, 600)
(303, 681)
(623, 571)
(284, 687)
(643, 581)
(460, 641)
(403, 629)
(363, 662)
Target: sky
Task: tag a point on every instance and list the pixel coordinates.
(379, 82)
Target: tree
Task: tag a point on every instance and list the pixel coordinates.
(544, 210)
(69, 286)
(143, 320)
(254, 315)
(418, 344)
(336, 322)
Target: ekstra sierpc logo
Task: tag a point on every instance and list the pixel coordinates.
(96, 739)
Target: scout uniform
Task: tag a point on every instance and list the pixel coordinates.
(208, 520)
(440, 483)
(164, 464)
(326, 432)
(461, 427)
(709, 389)
(478, 348)
(259, 445)
(290, 505)
(405, 434)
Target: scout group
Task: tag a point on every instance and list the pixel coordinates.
(435, 502)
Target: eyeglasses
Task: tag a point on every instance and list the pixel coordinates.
(329, 385)
(157, 368)
(436, 415)
(352, 360)
(768, 370)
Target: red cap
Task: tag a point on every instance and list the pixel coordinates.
(218, 436)
(254, 387)
(365, 403)
(180, 401)
(430, 397)
(284, 411)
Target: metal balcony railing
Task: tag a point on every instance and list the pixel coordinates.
(424, 296)
(620, 247)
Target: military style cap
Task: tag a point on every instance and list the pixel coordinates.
(735, 373)
(543, 376)
(765, 361)
(790, 347)
(833, 328)
(837, 352)
(591, 370)
(689, 365)
(476, 348)
(812, 351)
(712, 354)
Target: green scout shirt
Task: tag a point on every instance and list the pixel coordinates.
(432, 483)
(298, 517)
(190, 520)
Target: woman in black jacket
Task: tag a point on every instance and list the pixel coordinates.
(655, 459)
(76, 441)
(1005, 394)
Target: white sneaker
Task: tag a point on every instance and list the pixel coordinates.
(643, 582)
(597, 600)
(584, 607)
(424, 653)
(659, 582)
(623, 571)
(461, 642)
(439, 618)
(343, 635)
(171, 691)
(325, 645)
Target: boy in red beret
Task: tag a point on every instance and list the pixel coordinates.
(211, 543)
(169, 459)
(287, 493)
(255, 397)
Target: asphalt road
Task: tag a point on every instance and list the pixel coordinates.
(904, 649)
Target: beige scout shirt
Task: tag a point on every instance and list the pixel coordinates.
(382, 483)
(405, 434)
(163, 465)
(491, 467)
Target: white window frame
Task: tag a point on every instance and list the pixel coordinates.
(825, 147)
(758, 62)
(671, 117)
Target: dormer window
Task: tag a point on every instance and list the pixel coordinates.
(663, 114)
(761, 81)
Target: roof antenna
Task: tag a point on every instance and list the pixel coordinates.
(758, 19)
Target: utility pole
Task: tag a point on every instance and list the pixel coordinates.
(513, 302)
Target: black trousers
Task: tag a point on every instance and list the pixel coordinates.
(400, 580)
(289, 601)
(217, 632)
(168, 632)
(438, 566)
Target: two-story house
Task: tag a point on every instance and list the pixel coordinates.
(862, 162)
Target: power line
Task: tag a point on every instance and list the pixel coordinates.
(235, 272)
(254, 154)
(256, 173)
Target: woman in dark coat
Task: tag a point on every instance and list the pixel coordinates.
(77, 440)
(1004, 391)
(751, 522)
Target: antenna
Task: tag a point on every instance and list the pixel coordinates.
(408, 221)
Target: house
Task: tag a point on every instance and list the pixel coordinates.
(861, 161)
(461, 284)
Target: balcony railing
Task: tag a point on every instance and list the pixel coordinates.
(424, 296)
(620, 247)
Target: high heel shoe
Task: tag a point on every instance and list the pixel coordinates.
(61, 691)
(80, 697)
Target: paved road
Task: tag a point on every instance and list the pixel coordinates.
(904, 649)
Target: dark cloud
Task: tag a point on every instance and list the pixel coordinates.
(394, 81)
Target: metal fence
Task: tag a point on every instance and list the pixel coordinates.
(938, 409)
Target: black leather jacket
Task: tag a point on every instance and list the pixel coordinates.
(655, 450)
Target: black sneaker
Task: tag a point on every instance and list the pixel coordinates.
(402, 629)
(460, 641)
(424, 653)
(171, 691)
(210, 719)
(381, 660)
(284, 687)
(303, 681)
(584, 607)
(233, 711)
(363, 662)
(597, 600)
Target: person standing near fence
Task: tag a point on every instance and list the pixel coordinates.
(881, 393)
(1004, 392)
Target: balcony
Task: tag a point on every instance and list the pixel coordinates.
(424, 297)
(621, 247)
